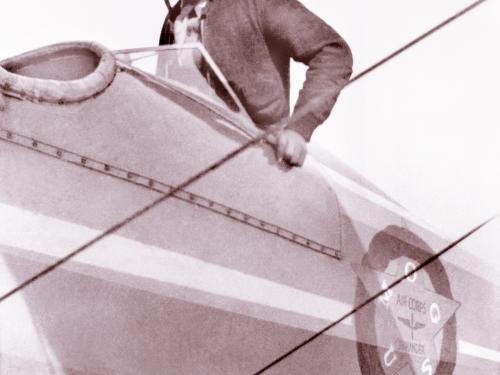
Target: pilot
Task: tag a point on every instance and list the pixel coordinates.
(252, 41)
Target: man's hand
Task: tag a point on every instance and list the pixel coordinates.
(290, 147)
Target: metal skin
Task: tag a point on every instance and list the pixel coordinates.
(230, 273)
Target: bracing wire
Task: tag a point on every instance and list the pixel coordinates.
(134, 216)
(430, 259)
(417, 40)
(204, 172)
(374, 297)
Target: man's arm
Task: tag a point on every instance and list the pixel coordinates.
(308, 39)
(329, 71)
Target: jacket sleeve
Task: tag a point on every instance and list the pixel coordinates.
(308, 39)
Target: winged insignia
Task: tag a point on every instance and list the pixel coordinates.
(411, 324)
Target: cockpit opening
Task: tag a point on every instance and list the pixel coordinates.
(187, 67)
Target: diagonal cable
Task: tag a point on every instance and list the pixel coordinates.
(417, 40)
(373, 297)
(214, 166)
(134, 216)
(432, 258)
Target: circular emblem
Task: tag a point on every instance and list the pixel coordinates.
(411, 329)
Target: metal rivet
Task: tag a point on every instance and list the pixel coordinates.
(59, 153)
(151, 183)
(34, 144)
(262, 224)
(107, 168)
(211, 204)
(60, 101)
(192, 198)
(83, 161)
(130, 175)
(9, 135)
(229, 211)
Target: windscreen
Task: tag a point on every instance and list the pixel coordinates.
(188, 68)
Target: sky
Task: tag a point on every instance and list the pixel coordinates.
(423, 127)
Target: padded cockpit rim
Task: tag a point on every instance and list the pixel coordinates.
(55, 91)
